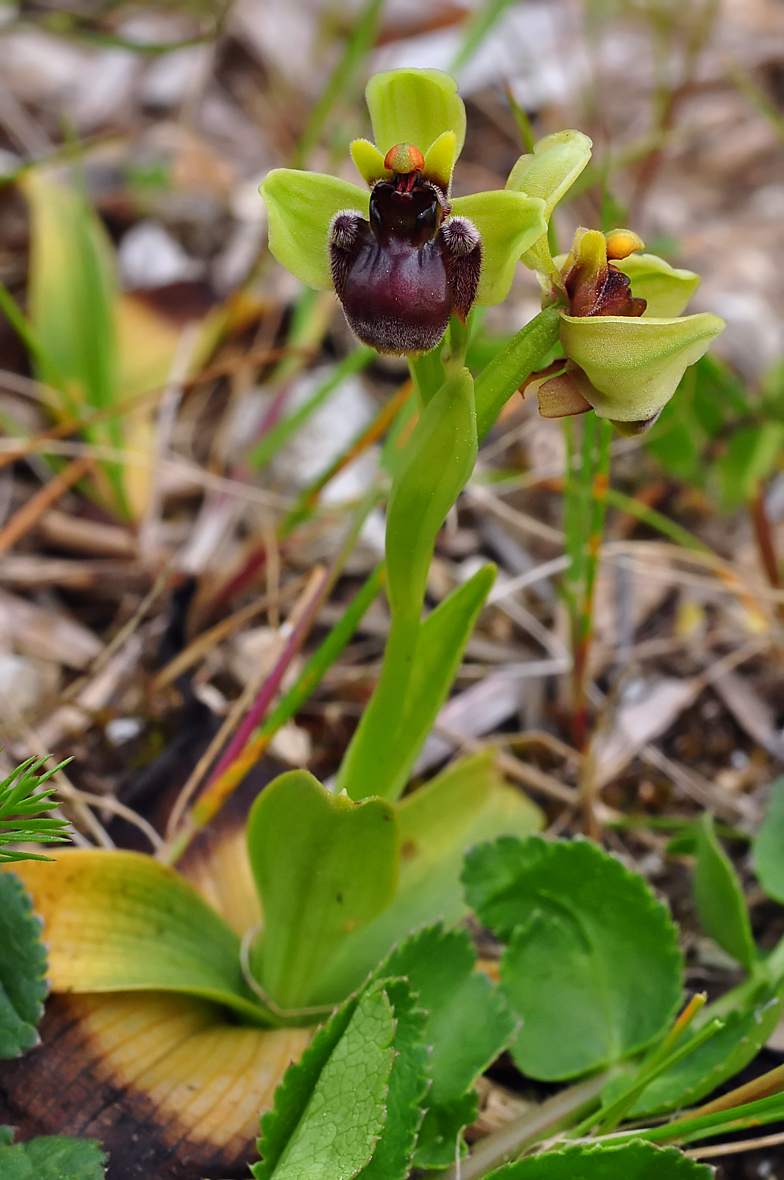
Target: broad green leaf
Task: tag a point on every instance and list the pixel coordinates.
(408, 1084)
(726, 1053)
(442, 639)
(604, 1161)
(355, 1094)
(22, 969)
(720, 902)
(121, 921)
(507, 371)
(414, 106)
(324, 866)
(666, 288)
(634, 365)
(468, 1025)
(465, 804)
(768, 846)
(52, 1157)
(344, 1109)
(508, 223)
(592, 967)
(300, 207)
(753, 454)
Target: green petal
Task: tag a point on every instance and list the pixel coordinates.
(440, 159)
(300, 206)
(369, 161)
(667, 290)
(635, 365)
(555, 164)
(509, 223)
(414, 106)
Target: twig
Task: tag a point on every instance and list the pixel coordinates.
(705, 1153)
(31, 512)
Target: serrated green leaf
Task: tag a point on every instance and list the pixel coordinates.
(22, 969)
(630, 1161)
(408, 1083)
(726, 1053)
(768, 846)
(592, 967)
(440, 1128)
(345, 1110)
(720, 902)
(120, 921)
(324, 867)
(468, 1025)
(52, 1157)
(466, 803)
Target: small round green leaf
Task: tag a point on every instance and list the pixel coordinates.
(768, 847)
(52, 1157)
(414, 106)
(592, 967)
(300, 207)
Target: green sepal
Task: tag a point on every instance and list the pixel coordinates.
(593, 965)
(768, 847)
(369, 161)
(635, 365)
(508, 224)
(666, 288)
(414, 106)
(719, 896)
(324, 866)
(300, 207)
(22, 969)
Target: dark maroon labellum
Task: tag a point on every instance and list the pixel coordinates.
(401, 274)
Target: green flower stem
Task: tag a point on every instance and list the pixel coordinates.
(437, 461)
(427, 373)
(513, 364)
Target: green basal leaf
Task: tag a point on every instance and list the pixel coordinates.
(352, 1103)
(324, 867)
(604, 1161)
(753, 454)
(441, 1126)
(468, 1025)
(443, 636)
(592, 967)
(726, 1053)
(22, 969)
(666, 289)
(464, 804)
(414, 106)
(120, 921)
(342, 1113)
(720, 902)
(635, 365)
(52, 1157)
(508, 223)
(300, 207)
(768, 846)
